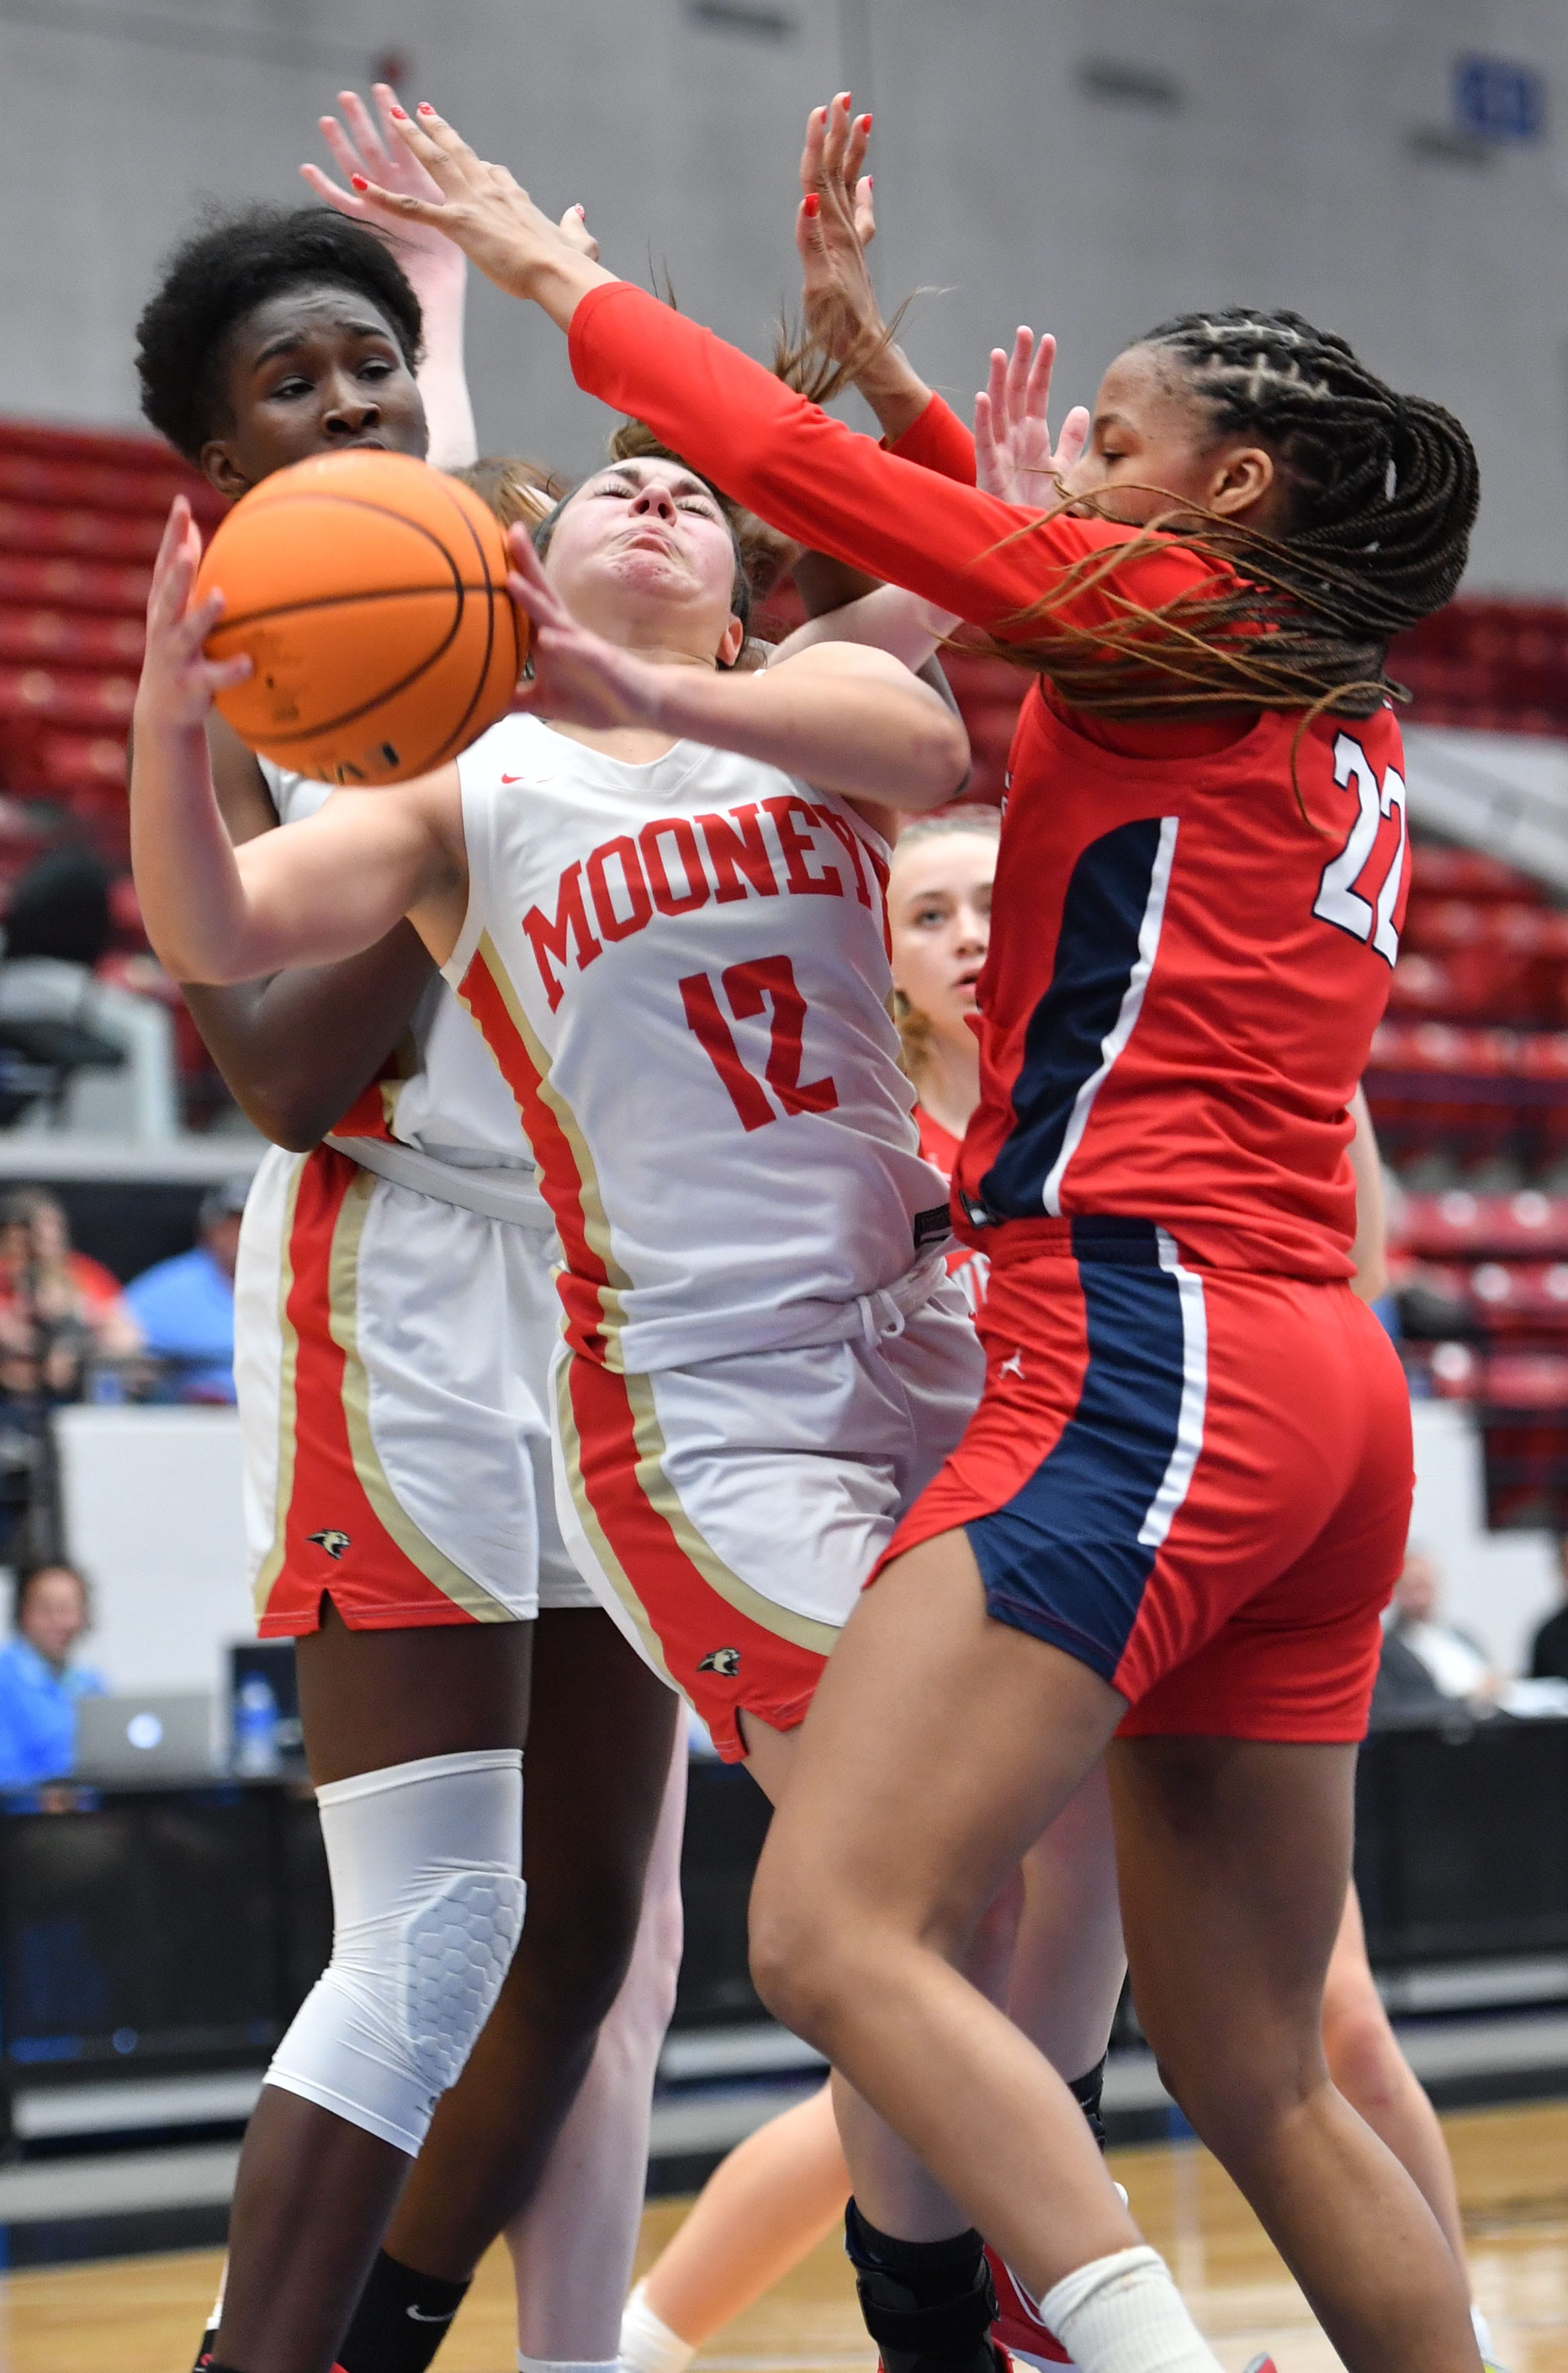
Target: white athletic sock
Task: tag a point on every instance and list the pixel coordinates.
(648, 2345)
(1124, 2314)
(561, 2365)
(1479, 2324)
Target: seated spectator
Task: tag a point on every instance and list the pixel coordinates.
(66, 1299)
(1404, 1691)
(1428, 1667)
(184, 1307)
(43, 1340)
(58, 927)
(1549, 1650)
(40, 1686)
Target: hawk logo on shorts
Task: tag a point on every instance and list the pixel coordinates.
(333, 1543)
(1013, 1367)
(726, 1661)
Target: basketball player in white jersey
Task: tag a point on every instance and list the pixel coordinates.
(677, 957)
(394, 1320)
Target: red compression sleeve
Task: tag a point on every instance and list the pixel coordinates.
(938, 441)
(815, 480)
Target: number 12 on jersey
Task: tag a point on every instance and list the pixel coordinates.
(1339, 898)
(766, 983)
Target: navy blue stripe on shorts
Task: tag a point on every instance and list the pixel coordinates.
(1068, 1555)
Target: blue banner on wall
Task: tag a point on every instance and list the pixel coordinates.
(1498, 99)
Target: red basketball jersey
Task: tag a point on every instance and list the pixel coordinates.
(1184, 978)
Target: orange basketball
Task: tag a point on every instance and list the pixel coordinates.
(369, 592)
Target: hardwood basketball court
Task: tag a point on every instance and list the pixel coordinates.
(142, 2315)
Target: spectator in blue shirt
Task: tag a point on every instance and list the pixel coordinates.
(185, 1306)
(39, 1688)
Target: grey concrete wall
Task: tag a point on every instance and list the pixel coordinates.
(1284, 166)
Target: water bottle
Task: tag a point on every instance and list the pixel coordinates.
(255, 1728)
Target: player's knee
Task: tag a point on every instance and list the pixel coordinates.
(1240, 2097)
(635, 2028)
(793, 1983)
(656, 1964)
(426, 1863)
(1364, 2059)
(796, 1955)
(575, 1954)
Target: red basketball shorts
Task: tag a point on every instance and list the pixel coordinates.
(1196, 1482)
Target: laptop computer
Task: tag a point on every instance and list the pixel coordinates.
(161, 1734)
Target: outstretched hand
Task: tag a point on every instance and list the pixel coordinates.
(484, 211)
(366, 150)
(1012, 439)
(178, 682)
(579, 679)
(833, 226)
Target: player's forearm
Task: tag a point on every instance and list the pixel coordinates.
(558, 285)
(440, 283)
(825, 585)
(939, 440)
(187, 877)
(888, 620)
(1370, 1251)
(214, 914)
(894, 391)
(296, 1050)
(886, 742)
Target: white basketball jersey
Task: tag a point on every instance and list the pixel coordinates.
(443, 1098)
(681, 970)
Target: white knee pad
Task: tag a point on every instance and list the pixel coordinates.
(425, 1861)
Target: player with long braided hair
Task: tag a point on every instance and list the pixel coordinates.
(1180, 1506)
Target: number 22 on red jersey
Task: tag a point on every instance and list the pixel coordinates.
(1360, 889)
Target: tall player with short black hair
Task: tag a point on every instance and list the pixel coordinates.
(395, 1314)
(192, 331)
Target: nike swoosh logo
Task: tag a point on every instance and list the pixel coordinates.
(514, 778)
(415, 2315)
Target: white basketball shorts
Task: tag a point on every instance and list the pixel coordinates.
(729, 1514)
(391, 1356)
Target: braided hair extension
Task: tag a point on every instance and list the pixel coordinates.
(1383, 491)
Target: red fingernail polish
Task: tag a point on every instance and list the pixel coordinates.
(357, 181)
(425, 108)
(865, 124)
(400, 115)
(812, 203)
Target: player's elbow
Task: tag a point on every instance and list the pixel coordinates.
(938, 767)
(184, 956)
(204, 953)
(294, 1117)
(202, 965)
